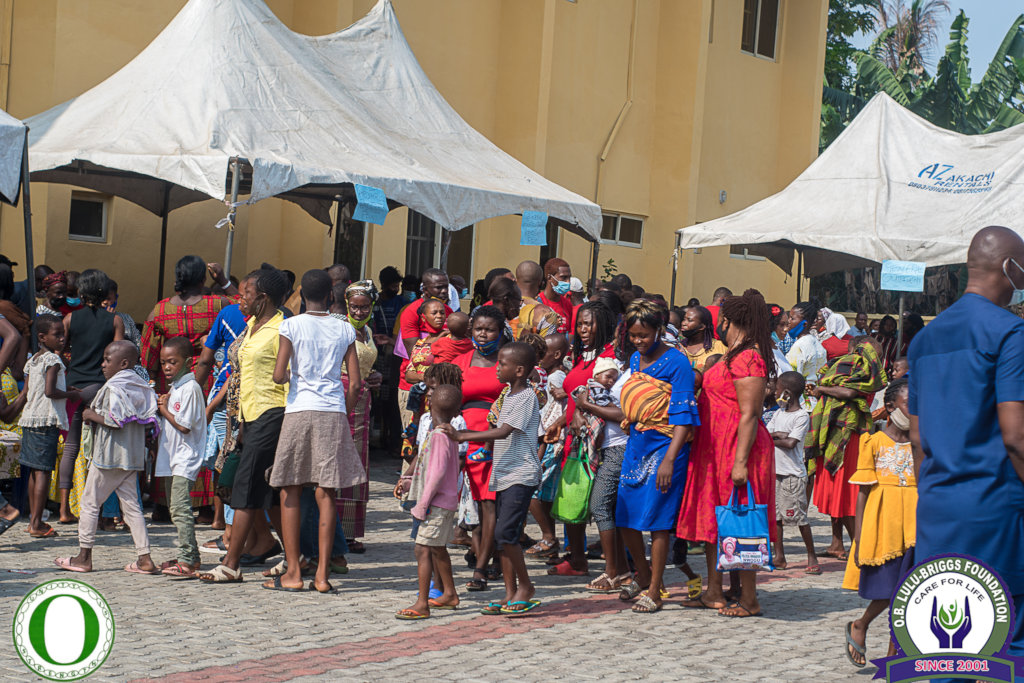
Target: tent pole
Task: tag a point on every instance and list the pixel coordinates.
(446, 243)
(799, 274)
(26, 207)
(675, 269)
(231, 224)
(899, 334)
(163, 243)
(594, 252)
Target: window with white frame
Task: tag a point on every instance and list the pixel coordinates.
(760, 24)
(627, 231)
(744, 253)
(88, 217)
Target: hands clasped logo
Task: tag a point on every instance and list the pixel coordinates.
(63, 630)
(950, 615)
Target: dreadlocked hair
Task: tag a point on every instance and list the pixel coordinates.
(604, 327)
(894, 389)
(751, 314)
(444, 373)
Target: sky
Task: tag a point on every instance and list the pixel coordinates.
(989, 22)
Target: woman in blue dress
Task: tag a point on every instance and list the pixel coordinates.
(659, 404)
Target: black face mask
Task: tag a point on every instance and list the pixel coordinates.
(721, 332)
(692, 334)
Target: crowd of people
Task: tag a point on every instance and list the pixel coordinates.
(253, 403)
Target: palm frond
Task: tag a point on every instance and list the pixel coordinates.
(1001, 79)
(876, 76)
(846, 104)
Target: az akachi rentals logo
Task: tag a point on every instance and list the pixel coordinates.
(944, 178)
(63, 630)
(951, 617)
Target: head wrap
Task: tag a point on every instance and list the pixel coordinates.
(53, 278)
(362, 288)
(835, 325)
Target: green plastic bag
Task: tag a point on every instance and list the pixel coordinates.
(572, 501)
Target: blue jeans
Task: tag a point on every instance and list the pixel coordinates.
(309, 522)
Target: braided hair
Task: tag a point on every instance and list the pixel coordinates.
(894, 389)
(604, 327)
(809, 310)
(273, 283)
(704, 315)
(189, 271)
(750, 313)
(444, 373)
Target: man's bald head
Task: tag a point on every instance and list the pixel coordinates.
(995, 264)
(530, 278)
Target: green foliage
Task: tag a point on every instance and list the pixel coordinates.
(845, 19)
(609, 268)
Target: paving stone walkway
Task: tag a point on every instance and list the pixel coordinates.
(188, 631)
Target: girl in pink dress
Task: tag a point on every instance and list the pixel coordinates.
(732, 445)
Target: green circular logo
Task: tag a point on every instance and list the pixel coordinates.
(951, 604)
(63, 630)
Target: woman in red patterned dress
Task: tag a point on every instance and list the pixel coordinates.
(480, 389)
(732, 445)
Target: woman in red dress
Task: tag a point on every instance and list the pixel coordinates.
(732, 445)
(480, 388)
(595, 331)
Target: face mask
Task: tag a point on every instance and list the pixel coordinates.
(796, 330)
(899, 419)
(487, 349)
(73, 301)
(432, 328)
(1018, 294)
(672, 330)
(359, 324)
(691, 334)
(783, 400)
(721, 330)
(561, 288)
(464, 294)
(410, 296)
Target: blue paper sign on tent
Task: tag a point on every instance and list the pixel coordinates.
(371, 205)
(535, 229)
(903, 276)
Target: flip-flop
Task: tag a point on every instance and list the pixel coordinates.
(813, 570)
(276, 586)
(70, 521)
(566, 569)
(330, 589)
(434, 604)
(65, 564)
(410, 615)
(133, 568)
(698, 603)
(739, 616)
(179, 571)
(528, 606)
(859, 649)
(49, 533)
(493, 609)
(6, 524)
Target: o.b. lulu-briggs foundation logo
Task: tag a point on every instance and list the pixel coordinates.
(63, 630)
(951, 617)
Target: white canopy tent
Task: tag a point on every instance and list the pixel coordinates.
(305, 116)
(14, 178)
(892, 186)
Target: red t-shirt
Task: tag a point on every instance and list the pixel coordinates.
(447, 349)
(836, 346)
(563, 307)
(410, 326)
(714, 318)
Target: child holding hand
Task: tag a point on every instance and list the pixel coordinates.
(515, 472)
(123, 409)
(180, 450)
(43, 418)
(435, 488)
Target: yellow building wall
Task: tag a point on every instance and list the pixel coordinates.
(545, 80)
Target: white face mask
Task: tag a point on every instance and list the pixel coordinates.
(899, 419)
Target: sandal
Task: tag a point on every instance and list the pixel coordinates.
(6, 524)
(646, 606)
(477, 585)
(330, 590)
(179, 571)
(698, 603)
(859, 649)
(357, 547)
(434, 604)
(813, 570)
(275, 585)
(543, 548)
(602, 584)
(566, 569)
(694, 588)
(736, 615)
(134, 568)
(410, 615)
(217, 547)
(222, 574)
(493, 609)
(49, 533)
(65, 564)
(524, 606)
(631, 590)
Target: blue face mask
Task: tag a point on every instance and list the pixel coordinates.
(1018, 294)
(561, 288)
(73, 301)
(410, 296)
(488, 349)
(464, 294)
(794, 332)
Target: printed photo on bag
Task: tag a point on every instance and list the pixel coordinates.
(743, 554)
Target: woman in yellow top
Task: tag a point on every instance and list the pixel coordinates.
(261, 405)
(886, 519)
(698, 337)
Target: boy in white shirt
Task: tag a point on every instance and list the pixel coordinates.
(180, 450)
(788, 427)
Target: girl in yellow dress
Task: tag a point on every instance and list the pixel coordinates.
(885, 523)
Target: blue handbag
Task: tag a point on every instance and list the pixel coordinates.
(744, 542)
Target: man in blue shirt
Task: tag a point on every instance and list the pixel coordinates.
(967, 419)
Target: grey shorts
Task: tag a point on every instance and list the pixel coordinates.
(791, 499)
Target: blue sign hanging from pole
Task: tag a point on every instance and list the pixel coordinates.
(903, 276)
(371, 205)
(534, 229)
